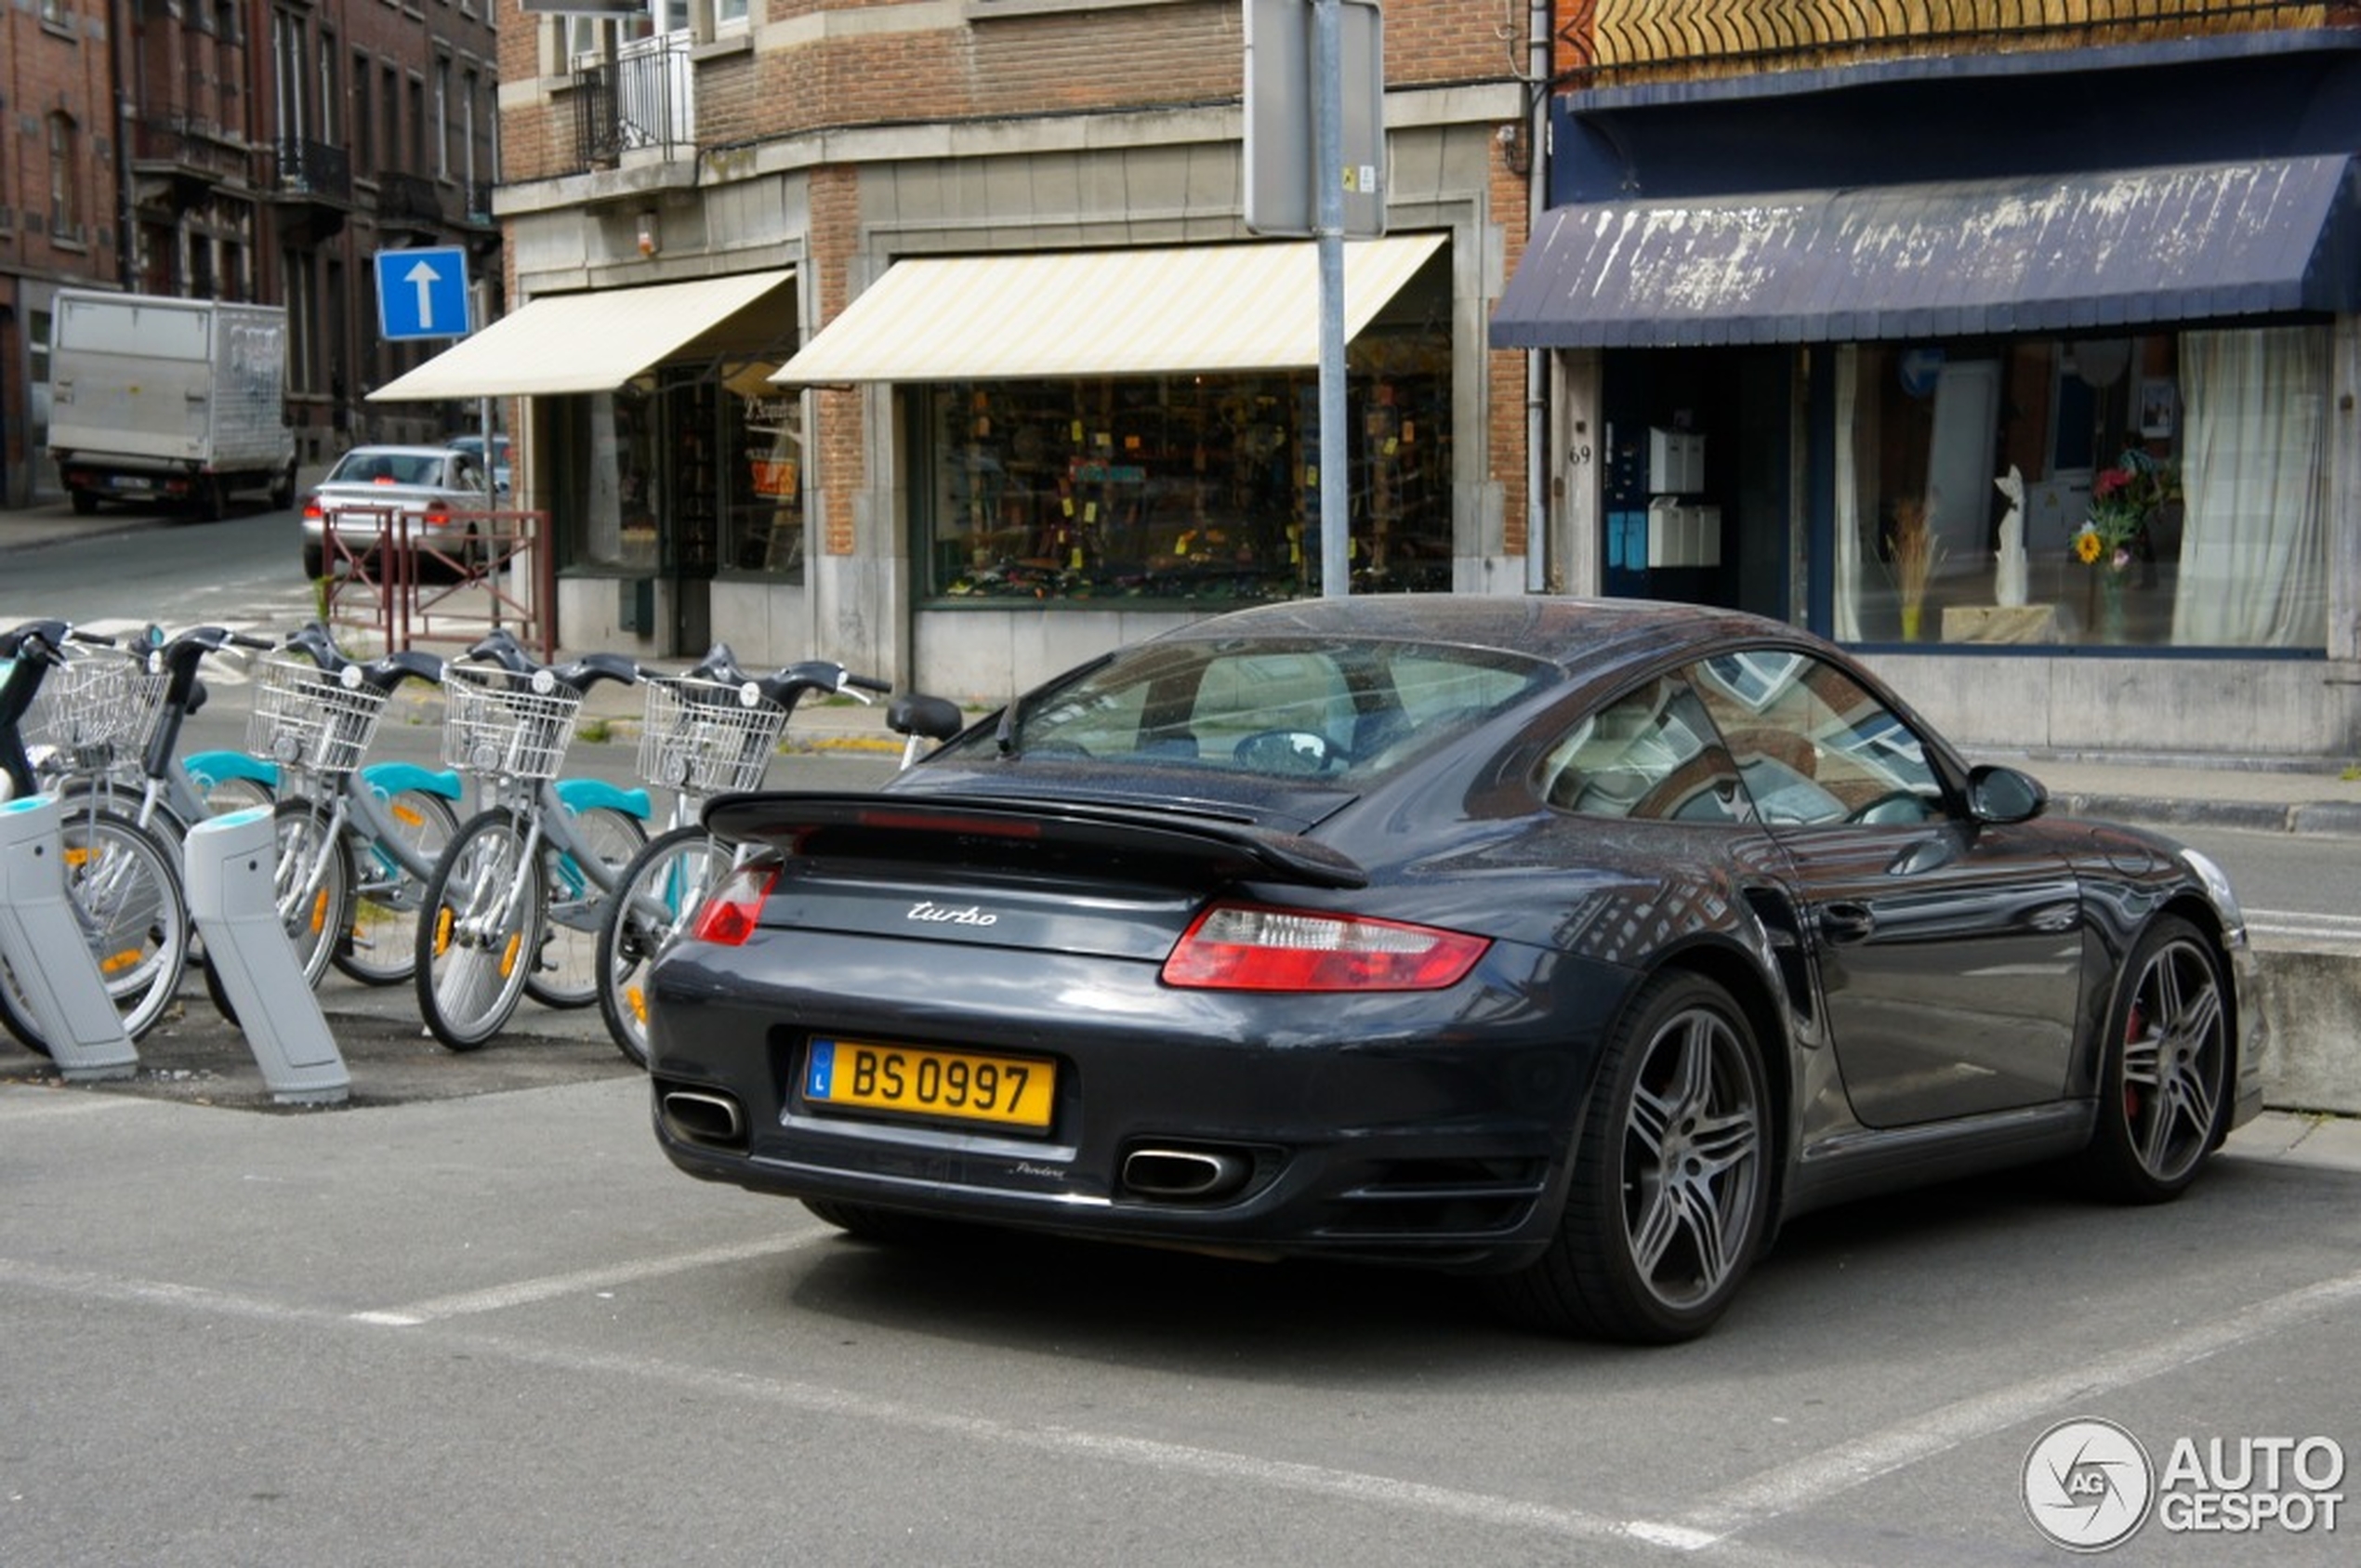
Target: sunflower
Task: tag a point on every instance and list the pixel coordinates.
(2087, 546)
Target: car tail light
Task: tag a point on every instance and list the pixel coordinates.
(1244, 947)
(437, 513)
(734, 909)
(312, 510)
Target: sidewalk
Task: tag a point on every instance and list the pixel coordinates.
(2285, 795)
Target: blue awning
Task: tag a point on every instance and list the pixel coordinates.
(2054, 253)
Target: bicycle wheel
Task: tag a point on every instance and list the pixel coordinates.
(659, 895)
(312, 883)
(481, 921)
(127, 894)
(566, 971)
(380, 946)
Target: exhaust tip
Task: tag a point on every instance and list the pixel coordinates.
(1184, 1174)
(711, 1119)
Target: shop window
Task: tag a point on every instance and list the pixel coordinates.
(695, 469)
(2168, 490)
(1183, 488)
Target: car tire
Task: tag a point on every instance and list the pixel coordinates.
(283, 490)
(2166, 1079)
(314, 562)
(1669, 1200)
(85, 503)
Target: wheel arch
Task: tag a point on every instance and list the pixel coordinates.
(1757, 996)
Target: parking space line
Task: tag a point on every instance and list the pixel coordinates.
(525, 1292)
(1789, 1488)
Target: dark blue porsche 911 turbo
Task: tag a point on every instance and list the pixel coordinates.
(1572, 944)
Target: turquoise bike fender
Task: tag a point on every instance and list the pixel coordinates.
(581, 794)
(389, 779)
(209, 767)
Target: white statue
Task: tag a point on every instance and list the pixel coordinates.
(2007, 586)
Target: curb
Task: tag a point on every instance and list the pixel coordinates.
(2260, 816)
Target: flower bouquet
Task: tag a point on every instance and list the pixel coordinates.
(2114, 538)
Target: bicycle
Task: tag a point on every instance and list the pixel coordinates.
(123, 879)
(709, 731)
(514, 903)
(356, 844)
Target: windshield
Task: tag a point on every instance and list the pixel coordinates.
(1347, 712)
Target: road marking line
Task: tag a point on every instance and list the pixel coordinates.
(1808, 1482)
(525, 1292)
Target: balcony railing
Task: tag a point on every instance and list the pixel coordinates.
(182, 142)
(408, 198)
(314, 168)
(641, 99)
(1601, 42)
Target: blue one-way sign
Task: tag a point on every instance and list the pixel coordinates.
(423, 293)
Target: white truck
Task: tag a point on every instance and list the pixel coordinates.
(179, 402)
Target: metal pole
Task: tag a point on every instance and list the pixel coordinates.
(1328, 209)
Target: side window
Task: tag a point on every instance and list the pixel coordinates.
(1649, 755)
(1813, 746)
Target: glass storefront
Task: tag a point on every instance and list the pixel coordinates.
(1183, 488)
(2165, 490)
(691, 469)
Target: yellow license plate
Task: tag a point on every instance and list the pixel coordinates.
(913, 1080)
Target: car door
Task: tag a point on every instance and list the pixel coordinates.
(1948, 949)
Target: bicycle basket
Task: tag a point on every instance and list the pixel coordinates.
(306, 718)
(703, 737)
(499, 724)
(100, 704)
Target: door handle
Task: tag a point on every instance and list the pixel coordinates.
(1847, 922)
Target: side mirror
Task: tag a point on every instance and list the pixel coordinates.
(2005, 795)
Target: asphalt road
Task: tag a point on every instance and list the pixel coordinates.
(498, 1327)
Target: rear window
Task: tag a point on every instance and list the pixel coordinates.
(1341, 711)
(362, 466)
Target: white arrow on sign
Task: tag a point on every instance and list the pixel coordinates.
(426, 277)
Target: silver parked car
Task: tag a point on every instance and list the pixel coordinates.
(445, 494)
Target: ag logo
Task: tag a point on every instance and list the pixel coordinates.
(2087, 1485)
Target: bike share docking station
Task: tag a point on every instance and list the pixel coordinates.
(40, 938)
(229, 862)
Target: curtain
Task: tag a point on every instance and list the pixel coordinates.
(1847, 627)
(2254, 489)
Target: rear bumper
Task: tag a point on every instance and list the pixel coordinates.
(1426, 1129)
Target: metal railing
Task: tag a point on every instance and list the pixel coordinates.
(643, 99)
(408, 198)
(314, 168)
(383, 575)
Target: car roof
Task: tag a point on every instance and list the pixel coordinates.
(1578, 634)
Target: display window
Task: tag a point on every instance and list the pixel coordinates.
(695, 469)
(1186, 489)
(2167, 490)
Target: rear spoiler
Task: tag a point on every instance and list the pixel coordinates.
(797, 822)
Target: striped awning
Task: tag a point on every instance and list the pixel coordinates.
(2070, 253)
(591, 342)
(1169, 310)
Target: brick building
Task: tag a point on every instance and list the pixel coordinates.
(237, 149)
(1047, 436)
